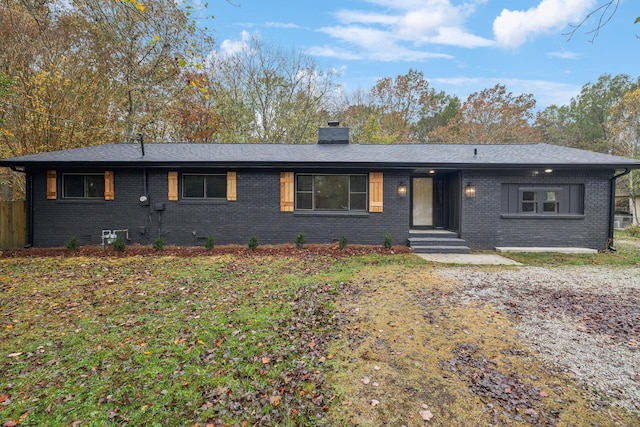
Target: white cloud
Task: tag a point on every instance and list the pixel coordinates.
(399, 32)
(272, 24)
(563, 54)
(513, 28)
(231, 47)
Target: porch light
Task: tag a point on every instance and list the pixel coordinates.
(402, 189)
(470, 190)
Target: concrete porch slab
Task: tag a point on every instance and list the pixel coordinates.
(550, 249)
(475, 259)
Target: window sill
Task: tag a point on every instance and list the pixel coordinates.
(360, 214)
(88, 200)
(539, 216)
(203, 202)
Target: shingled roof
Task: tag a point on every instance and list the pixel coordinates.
(396, 156)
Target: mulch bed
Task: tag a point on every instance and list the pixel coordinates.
(332, 250)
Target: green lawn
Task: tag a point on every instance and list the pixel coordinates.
(166, 341)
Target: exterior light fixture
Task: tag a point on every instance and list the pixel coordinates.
(470, 191)
(548, 170)
(432, 171)
(402, 189)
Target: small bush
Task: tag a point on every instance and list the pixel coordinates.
(632, 230)
(72, 244)
(300, 240)
(342, 242)
(253, 243)
(120, 244)
(209, 242)
(388, 241)
(158, 244)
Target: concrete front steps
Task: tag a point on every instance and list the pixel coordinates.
(437, 242)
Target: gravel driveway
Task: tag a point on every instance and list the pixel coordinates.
(585, 321)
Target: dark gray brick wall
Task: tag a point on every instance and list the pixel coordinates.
(484, 227)
(256, 212)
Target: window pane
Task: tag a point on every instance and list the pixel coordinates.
(332, 192)
(529, 195)
(305, 183)
(95, 185)
(359, 202)
(550, 207)
(550, 195)
(216, 186)
(193, 186)
(304, 201)
(73, 186)
(358, 184)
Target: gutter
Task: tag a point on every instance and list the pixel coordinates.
(29, 199)
(612, 207)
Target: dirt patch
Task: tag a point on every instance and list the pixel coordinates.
(414, 354)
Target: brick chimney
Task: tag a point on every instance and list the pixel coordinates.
(333, 134)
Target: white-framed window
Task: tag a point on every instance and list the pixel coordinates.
(331, 192)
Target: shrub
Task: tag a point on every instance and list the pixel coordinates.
(300, 240)
(342, 242)
(120, 244)
(72, 244)
(388, 241)
(209, 242)
(158, 244)
(633, 230)
(253, 243)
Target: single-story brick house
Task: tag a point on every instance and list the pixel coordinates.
(478, 196)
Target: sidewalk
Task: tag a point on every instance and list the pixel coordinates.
(475, 259)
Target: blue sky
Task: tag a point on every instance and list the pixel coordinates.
(461, 46)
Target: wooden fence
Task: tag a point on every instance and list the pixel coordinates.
(13, 225)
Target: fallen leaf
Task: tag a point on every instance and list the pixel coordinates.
(374, 402)
(426, 415)
(266, 360)
(16, 354)
(543, 394)
(275, 400)
(365, 380)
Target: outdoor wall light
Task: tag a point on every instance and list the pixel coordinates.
(548, 170)
(470, 190)
(402, 189)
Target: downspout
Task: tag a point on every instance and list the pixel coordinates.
(29, 200)
(612, 207)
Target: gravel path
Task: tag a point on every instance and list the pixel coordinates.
(583, 320)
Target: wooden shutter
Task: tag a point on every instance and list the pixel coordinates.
(109, 187)
(173, 186)
(375, 192)
(52, 186)
(287, 191)
(231, 187)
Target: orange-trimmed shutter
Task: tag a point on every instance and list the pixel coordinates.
(231, 187)
(52, 187)
(287, 192)
(173, 185)
(109, 187)
(375, 191)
